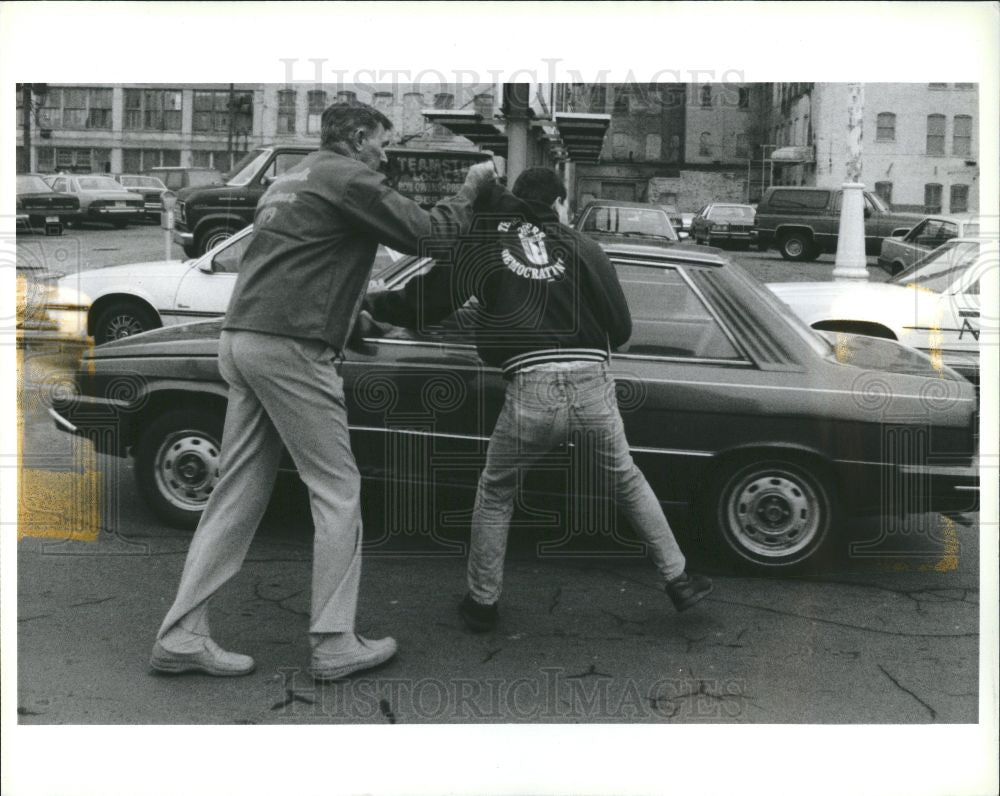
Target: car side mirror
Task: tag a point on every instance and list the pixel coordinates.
(207, 266)
(902, 232)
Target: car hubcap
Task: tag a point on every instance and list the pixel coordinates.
(214, 240)
(794, 247)
(123, 326)
(774, 514)
(187, 468)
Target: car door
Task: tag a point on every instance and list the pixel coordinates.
(205, 288)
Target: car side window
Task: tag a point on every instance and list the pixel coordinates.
(948, 231)
(668, 318)
(282, 163)
(228, 260)
(916, 232)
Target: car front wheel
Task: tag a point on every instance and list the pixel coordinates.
(772, 514)
(797, 246)
(177, 464)
(123, 319)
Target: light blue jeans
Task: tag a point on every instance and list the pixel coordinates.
(543, 409)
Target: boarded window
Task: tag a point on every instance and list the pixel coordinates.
(932, 198)
(935, 134)
(961, 140)
(959, 199)
(886, 127)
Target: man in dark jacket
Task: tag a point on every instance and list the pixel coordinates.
(550, 308)
(301, 282)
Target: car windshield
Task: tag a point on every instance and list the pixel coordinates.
(247, 167)
(143, 182)
(99, 184)
(876, 200)
(636, 221)
(731, 212)
(29, 184)
(940, 268)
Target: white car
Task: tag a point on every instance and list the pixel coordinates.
(125, 300)
(932, 306)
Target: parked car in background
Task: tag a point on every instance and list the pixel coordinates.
(933, 306)
(685, 228)
(206, 215)
(610, 220)
(101, 198)
(803, 223)
(902, 250)
(125, 300)
(736, 412)
(675, 216)
(151, 189)
(723, 224)
(40, 209)
(177, 177)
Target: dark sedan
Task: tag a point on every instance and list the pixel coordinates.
(151, 189)
(723, 225)
(766, 432)
(40, 209)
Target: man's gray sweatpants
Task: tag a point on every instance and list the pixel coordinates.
(283, 392)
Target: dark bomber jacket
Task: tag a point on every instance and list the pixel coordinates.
(545, 292)
(316, 231)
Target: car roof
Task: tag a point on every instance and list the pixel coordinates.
(958, 218)
(674, 253)
(622, 203)
(730, 204)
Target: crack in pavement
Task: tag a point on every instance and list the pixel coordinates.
(555, 599)
(841, 624)
(94, 602)
(31, 618)
(491, 655)
(623, 620)
(906, 690)
(591, 672)
(290, 697)
(386, 709)
(277, 601)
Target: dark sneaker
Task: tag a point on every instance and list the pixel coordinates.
(478, 618)
(687, 589)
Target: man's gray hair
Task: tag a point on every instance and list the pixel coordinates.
(339, 122)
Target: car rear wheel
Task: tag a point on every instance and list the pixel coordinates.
(213, 238)
(797, 246)
(772, 514)
(177, 464)
(123, 319)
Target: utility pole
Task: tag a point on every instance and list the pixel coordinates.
(516, 110)
(231, 107)
(26, 102)
(851, 263)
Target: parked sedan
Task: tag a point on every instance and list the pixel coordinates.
(609, 220)
(124, 300)
(723, 224)
(150, 188)
(766, 431)
(932, 306)
(39, 208)
(904, 248)
(101, 198)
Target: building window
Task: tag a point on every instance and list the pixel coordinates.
(674, 152)
(935, 134)
(619, 146)
(77, 161)
(961, 136)
(346, 98)
(317, 104)
(959, 199)
(932, 198)
(706, 96)
(621, 100)
(705, 144)
(742, 151)
(937, 86)
(884, 191)
(598, 98)
(214, 159)
(136, 161)
(965, 86)
(152, 109)
(653, 145)
(885, 129)
(286, 111)
(444, 101)
(212, 112)
(73, 109)
(744, 99)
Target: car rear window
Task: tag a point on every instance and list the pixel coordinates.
(799, 200)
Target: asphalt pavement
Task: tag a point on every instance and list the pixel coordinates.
(885, 633)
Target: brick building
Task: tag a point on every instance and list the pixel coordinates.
(920, 140)
(133, 127)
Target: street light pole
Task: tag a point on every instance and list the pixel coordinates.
(26, 101)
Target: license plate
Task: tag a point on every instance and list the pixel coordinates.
(51, 219)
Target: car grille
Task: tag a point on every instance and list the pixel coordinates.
(740, 227)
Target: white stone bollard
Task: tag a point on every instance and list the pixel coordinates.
(851, 262)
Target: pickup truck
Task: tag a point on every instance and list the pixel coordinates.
(206, 215)
(803, 223)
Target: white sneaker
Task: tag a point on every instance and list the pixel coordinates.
(363, 654)
(210, 659)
